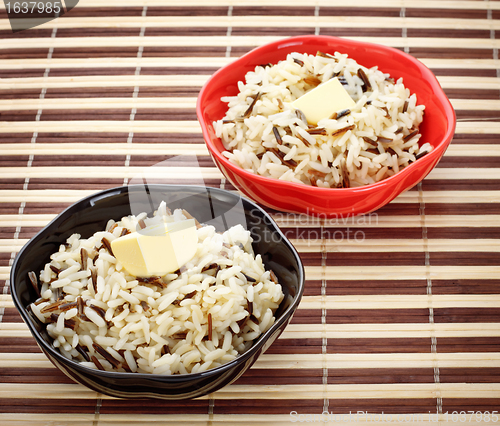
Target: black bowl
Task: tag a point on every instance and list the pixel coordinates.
(211, 205)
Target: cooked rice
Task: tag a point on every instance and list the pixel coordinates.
(373, 141)
(200, 317)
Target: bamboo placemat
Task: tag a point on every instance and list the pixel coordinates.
(401, 315)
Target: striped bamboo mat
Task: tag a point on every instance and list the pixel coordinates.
(401, 314)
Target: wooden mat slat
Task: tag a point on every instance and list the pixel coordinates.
(180, 102)
(304, 21)
(235, 41)
(117, 148)
(187, 62)
(403, 391)
(424, 4)
(210, 173)
(217, 419)
(384, 222)
(182, 126)
(478, 245)
(447, 82)
(289, 219)
(382, 302)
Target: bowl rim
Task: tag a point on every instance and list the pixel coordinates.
(427, 159)
(173, 378)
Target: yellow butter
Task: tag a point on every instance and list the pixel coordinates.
(157, 249)
(324, 100)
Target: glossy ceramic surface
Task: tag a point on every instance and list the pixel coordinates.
(90, 215)
(437, 128)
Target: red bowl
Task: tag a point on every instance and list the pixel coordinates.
(437, 128)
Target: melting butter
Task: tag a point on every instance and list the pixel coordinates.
(322, 101)
(158, 249)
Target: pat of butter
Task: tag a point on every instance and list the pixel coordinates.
(157, 249)
(324, 100)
